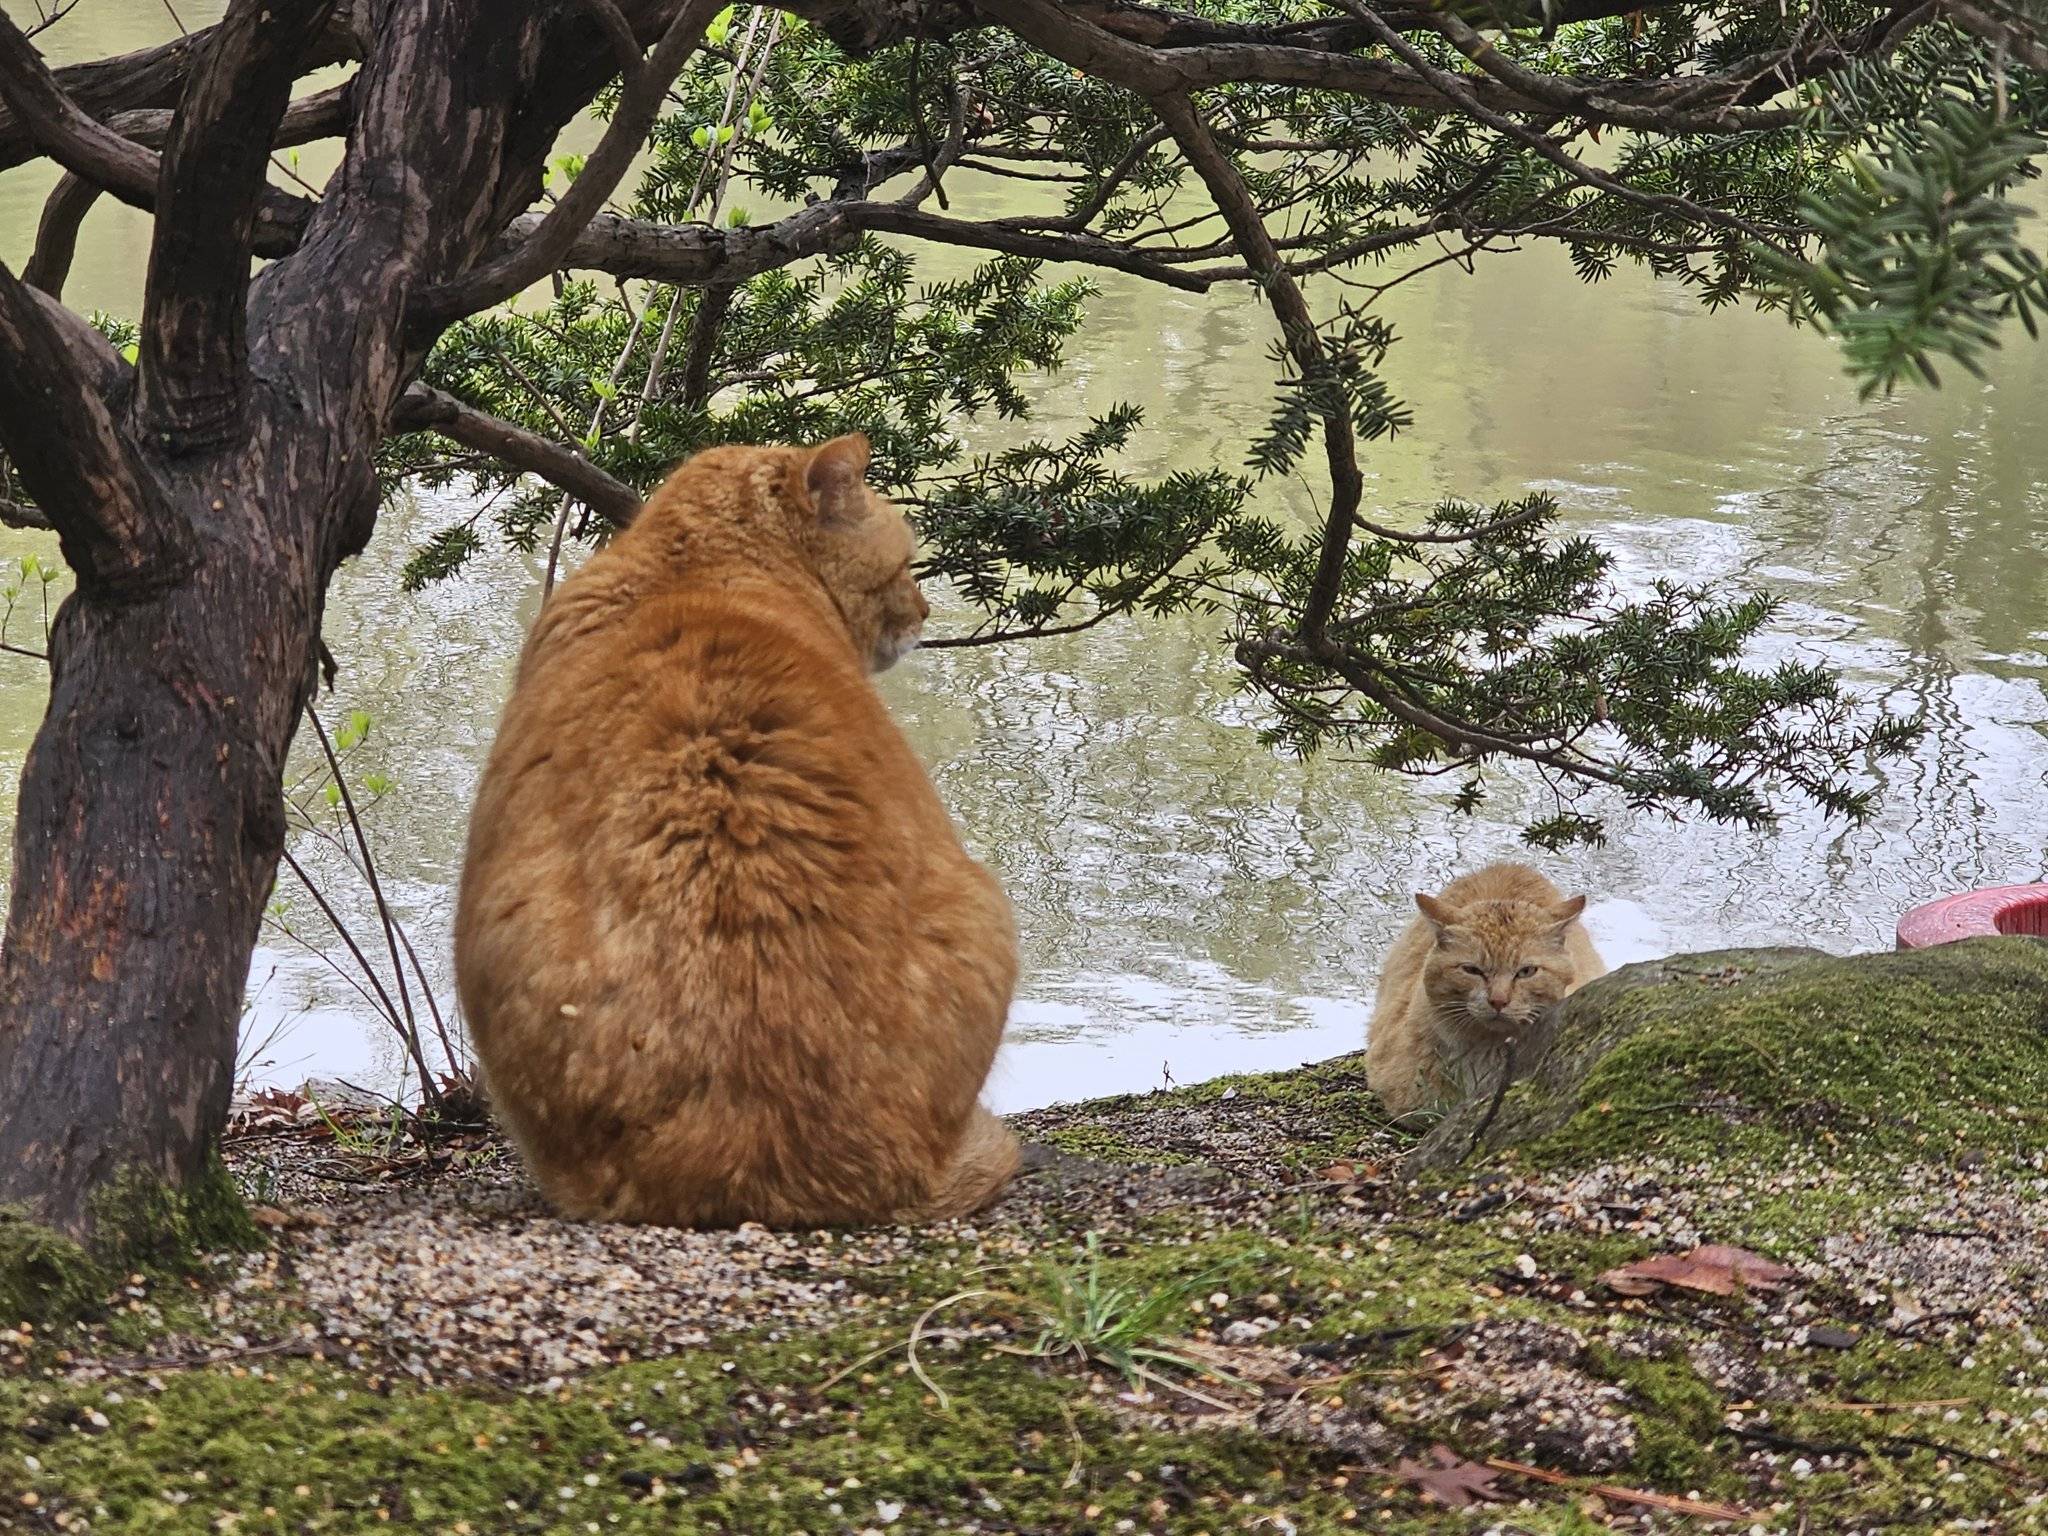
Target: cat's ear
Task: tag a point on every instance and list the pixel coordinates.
(835, 478)
(1440, 916)
(1565, 913)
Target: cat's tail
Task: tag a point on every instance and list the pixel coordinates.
(981, 1166)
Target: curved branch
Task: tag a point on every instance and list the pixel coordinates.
(322, 115)
(543, 250)
(423, 408)
(697, 253)
(71, 452)
(712, 306)
(620, 31)
(61, 130)
(1463, 738)
(17, 514)
(2024, 42)
(194, 361)
(94, 152)
(148, 78)
(1160, 26)
(49, 264)
(1456, 90)
(1240, 211)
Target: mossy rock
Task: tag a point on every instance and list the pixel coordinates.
(1746, 1052)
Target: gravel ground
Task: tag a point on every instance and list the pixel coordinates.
(438, 1263)
(444, 1262)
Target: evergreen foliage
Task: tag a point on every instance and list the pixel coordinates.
(1849, 163)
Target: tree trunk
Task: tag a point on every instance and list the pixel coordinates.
(149, 827)
(205, 496)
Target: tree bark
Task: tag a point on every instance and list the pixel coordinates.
(148, 832)
(151, 813)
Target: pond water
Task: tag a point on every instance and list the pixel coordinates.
(1190, 903)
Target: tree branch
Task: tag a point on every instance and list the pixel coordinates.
(71, 452)
(1159, 26)
(2027, 45)
(49, 264)
(1461, 738)
(1456, 89)
(545, 247)
(194, 362)
(1240, 211)
(94, 152)
(15, 514)
(320, 116)
(423, 408)
(62, 131)
(713, 303)
(697, 253)
(147, 78)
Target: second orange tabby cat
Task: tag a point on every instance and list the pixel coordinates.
(1486, 962)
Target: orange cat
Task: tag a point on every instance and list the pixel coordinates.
(1485, 963)
(720, 950)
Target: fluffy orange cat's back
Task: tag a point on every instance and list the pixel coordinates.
(720, 947)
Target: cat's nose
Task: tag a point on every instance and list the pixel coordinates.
(1498, 1001)
(924, 609)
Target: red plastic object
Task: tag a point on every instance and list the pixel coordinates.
(1977, 914)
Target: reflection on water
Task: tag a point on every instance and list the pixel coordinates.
(1191, 904)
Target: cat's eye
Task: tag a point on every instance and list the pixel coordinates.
(1525, 973)
(1472, 970)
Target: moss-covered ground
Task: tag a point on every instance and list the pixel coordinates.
(1270, 1346)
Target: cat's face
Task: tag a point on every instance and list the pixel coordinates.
(1498, 965)
(861, 547)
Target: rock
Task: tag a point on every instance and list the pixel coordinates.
(1737, 1047)
(335, 1096)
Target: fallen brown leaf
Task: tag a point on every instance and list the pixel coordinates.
(1449, 1479)
(1716, 1268)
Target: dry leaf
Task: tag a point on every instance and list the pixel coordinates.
(1716, 1268)
(1449, 1479)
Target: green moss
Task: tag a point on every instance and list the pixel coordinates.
(1762, 1054)
(764, 1447)
(767, 1437)
(1676, 1414)
(44, 1277)
(140, 1222)
(1106, 1146)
